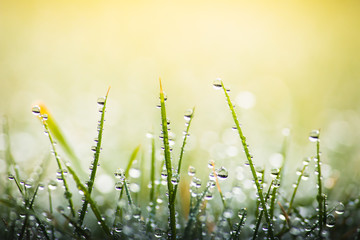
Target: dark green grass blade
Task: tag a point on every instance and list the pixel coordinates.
(250, 161)
(165, 136)
(95, 163)
(240, 225)
(186, 134)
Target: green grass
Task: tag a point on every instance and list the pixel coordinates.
(170, 204)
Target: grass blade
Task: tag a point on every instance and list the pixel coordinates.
(68, 194)
(59, 136)
(188, 116)
(90, 183)
(165, 136)
(193, 213)
(88, 198)
(243, 214)
(315, 137)
(249, 159)
(118, 211)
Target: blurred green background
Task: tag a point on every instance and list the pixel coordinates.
(289, 64)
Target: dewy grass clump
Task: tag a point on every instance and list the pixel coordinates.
(167, 203)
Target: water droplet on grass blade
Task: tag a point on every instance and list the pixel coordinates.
(158, 233)
(306, 161)
(36, 110)
(340, 209)
(191, 171)
(44, 117)
(101, 101)
(119, 173)
(52, 185)
(222, 173)
(330, 221)
(242, 212)
(314, 135)
(188, 114)
(305, 176)
(217, 83)
(119, 185)
(274, 172)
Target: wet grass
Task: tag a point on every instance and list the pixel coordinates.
(171, 205)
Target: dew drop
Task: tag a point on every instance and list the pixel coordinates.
(119, 173)
(314, 135)
(305, 176)
(274, 172)
(101, 101)
(340, 209)
(52, 185)
(11, 177)
(119, 185)
(222, 173)
(330, 221)
(208, 196)
(158, 233)
(36, 110)
(196, 182)
(242, 212)
(188, 114)
(191, 171)
(306, 161)
(175, 179)
(217, 84)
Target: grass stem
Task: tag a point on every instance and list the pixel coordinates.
(251, 164)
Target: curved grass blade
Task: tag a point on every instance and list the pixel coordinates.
(59, 136)
(90, 183)
(165, 136)
(189, 116)
(250, 161)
